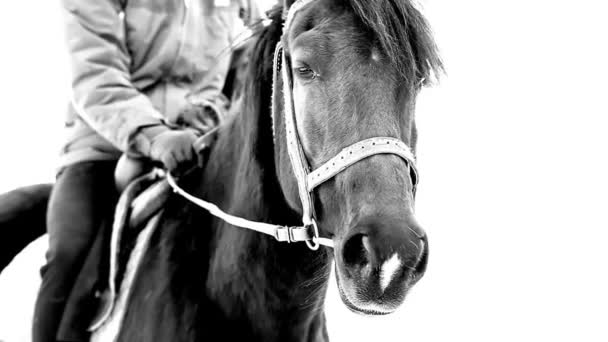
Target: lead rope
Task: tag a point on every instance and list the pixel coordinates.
(280, 233)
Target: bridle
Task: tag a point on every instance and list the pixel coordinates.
(307, 179)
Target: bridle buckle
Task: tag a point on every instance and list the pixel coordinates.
(313, 243)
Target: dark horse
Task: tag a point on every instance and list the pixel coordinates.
(357, 66)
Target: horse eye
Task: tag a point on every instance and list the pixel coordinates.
(306, 72)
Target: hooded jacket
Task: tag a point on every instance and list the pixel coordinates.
(136, 63)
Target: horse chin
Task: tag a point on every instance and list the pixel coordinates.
(367, 308)
(358, 310)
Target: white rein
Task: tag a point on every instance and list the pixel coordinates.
(281, 233)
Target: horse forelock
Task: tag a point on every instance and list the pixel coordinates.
(404, 35)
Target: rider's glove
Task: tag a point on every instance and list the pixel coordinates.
(172, 148)
(202, 117)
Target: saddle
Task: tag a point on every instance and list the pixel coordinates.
(96, 288)
(144, 191)
(136, 217)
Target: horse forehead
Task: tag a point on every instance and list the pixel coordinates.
(325, 17)
(312, 12)
(336, 45)
(333, 34)
(333, 31)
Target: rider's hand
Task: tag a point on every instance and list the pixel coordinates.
(173, 148)
(201, 117)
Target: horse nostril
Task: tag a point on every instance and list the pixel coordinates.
(356, 250)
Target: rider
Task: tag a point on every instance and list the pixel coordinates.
(138, 68)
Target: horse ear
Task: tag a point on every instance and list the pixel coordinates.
(286, 5)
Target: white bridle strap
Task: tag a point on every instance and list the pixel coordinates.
(299, 165)
(294, 146)
(281, 233)
(357, 152)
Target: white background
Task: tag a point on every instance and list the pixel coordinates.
(512, 156)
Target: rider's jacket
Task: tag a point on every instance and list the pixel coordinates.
(135, 62)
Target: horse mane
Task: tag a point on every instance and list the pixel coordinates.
(404, 35)
(258, 79)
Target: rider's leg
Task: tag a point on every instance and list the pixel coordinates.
(82, 197)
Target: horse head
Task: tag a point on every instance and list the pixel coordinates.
(354, 69)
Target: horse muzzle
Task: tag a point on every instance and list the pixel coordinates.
(377, 263)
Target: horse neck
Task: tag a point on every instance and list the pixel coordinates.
(276, 281)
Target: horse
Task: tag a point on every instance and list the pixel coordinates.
(327, 79)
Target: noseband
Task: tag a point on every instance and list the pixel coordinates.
(306, 178)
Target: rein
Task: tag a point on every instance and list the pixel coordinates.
(306, 178)
(281, 233)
